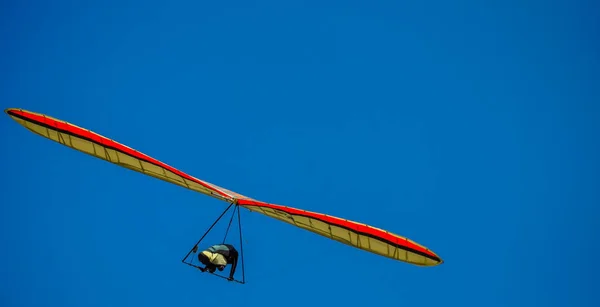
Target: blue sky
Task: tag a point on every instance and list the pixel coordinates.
(468, 127)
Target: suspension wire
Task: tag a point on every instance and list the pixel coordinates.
(241, 244)
(213, 225)
(230, 220)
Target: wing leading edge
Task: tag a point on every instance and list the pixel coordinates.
(345, 231)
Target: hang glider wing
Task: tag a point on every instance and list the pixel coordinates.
(348, 232)
(362, 236)
(101, 147)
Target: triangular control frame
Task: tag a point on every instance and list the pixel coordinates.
(195, 247)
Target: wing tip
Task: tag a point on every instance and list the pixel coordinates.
(14, 112)
(437, 259)
(9, 110)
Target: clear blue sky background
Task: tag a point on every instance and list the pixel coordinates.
(470, 127)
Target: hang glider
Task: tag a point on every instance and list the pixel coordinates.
(355, 234)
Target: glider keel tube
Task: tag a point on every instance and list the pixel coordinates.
(361, 236)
